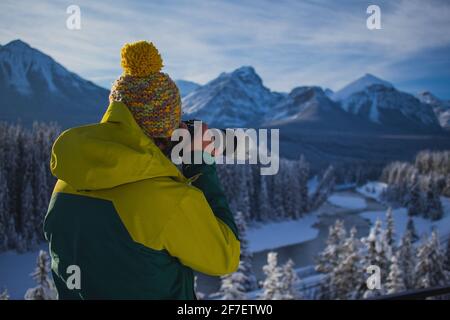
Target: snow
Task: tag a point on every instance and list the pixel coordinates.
(423, 226)
(347, 201)
(15, 270)
(233, 99)
(374, 114)
(186, 87)
(278, 234)
(359, 85)
(372, 190)
(312, 184)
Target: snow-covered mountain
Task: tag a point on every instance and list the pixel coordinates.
(237, 99)
(440, 107)
(310, 107)
(389, 107)
(359, 85)
(33, 86)
(299, 103)
(329, 93)
(186, 87)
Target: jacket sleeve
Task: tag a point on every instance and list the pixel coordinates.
(203, 234)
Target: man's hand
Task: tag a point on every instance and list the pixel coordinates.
(200, 140)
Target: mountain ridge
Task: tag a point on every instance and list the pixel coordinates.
(35, 87)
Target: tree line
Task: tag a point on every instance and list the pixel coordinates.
(25, 183)
(419, 185)
(404, 265)
(286, 195)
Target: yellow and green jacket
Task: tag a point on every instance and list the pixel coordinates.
(134, 224)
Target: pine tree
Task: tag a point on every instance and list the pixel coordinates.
(407, 259)
(272, 285)
(27, 213)
(447, 257)
(278, 204)
(430, 270)
(232, 285)
(330, 258)
(290, 190)
(434, 209)
(41, 198)
(4, 211)
(415, 202)
(376, 255)
(264, 203)
(45, 289)
(395, 280)
(303, 172)
(389, 235)
(246, 256)
(348, 277)
(244, 203)
(411, 228)
(289, 281)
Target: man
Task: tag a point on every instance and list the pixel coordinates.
(122, 212)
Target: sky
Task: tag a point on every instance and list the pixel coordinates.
(289, 43)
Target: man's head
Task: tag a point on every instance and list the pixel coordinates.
(150, 95)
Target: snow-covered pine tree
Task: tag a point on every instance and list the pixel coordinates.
(41, 198)
(434, 209)
(290, 189)
(243, 191)
(27, 214)
(415, 198)
(411, 228)
(389, 234)
(295, 192)
(330, 258)
(289, 281)
(278, 204)
(348, 278)
(430, 270)
(246, 256)
(447, 257)
(395, 280)
(375, 254)
(272, 288)
(263, 200)
(45, 289)
(232, 285)
(406, 258)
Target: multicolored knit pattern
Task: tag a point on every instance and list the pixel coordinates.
(151, 96)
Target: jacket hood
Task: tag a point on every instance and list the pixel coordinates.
(108, 154)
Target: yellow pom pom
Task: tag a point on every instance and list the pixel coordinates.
(140, 59)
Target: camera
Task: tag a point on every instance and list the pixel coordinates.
(190, 124)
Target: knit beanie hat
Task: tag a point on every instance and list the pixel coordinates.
(151, 96)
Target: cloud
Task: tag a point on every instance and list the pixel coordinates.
(289, 42)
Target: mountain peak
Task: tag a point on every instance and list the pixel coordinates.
(17, 45)
(245, 70)
(359, 85)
